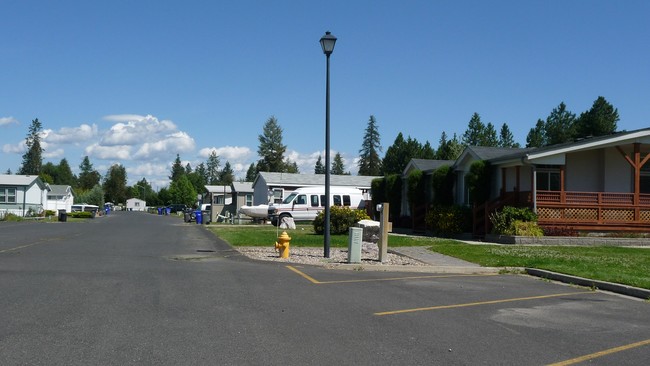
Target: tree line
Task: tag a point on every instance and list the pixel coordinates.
(186, 182)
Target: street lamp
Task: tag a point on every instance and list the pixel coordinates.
(327, 43)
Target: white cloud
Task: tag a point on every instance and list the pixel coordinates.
(18, 148)
(227, 153)
(67, 135)
(54, 154)
(4, 121)
(123, 117)
(108, 152)
(174, 143)
(147, 170)
(134, 130)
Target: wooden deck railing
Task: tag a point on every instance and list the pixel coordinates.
(576, 210)
(594, 210)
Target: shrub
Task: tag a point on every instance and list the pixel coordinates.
(341, 219)
(50, 213)
(527, 228)
(503, 221)
(9, 217)
(81, 215)
(447, 220)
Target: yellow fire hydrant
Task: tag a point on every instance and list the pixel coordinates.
(283, 244)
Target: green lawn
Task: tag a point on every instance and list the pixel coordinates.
(630, 266)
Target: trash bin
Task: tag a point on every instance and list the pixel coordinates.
(168, 210)
(199, 216)
(205, 215)
(186, 216)
(159, 210)
(63, 216)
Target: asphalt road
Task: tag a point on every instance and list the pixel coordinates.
(139, 289)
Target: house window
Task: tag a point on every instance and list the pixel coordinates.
(249, 199)
(346, 200)
(548, 180)
(337, 200)
(7, 195)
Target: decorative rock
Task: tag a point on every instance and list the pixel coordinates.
(370, 230)
(288, 223)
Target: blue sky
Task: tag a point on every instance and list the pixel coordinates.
(136, 82)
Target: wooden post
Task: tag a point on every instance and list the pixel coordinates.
(383, 227)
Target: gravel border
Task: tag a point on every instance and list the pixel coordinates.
(314, 256)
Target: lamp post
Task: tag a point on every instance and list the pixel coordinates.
(327, 43)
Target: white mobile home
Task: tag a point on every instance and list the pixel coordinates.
(60, 197)
(22, 195)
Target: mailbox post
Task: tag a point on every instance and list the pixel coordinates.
(384, 210)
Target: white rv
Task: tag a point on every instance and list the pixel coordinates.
(304, 204)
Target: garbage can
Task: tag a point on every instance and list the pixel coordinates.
(186, 216)
(205, 215)
(159, 210)
(199, 217)
(168, 210)
(63, 216)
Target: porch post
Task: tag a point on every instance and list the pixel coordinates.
(503, 182)
(562, 191)
(517, 182)
(637, 173)
(534, 189)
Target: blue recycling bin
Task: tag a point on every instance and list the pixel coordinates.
(198, 216)
(168, 210)
(159, 210)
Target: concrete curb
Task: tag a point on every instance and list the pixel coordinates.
(601, 285)
(415, 269)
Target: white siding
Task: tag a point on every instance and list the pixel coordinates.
(620, 176)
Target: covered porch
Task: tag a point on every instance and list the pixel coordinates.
(598, 186)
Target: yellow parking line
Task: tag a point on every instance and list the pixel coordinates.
(304, 275)
(394, 312)
(601, 353)
(313, 280)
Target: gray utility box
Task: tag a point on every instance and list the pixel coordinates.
(354, 245)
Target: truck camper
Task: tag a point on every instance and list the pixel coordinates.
(305, 203)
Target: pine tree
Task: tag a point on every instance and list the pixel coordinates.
(271, 150)
(536, 136)
(490, 138)
(177, 169)
(449, 149)
(560, 125)
(369, 161)
(338, 168)
(600, 120)
(291, 167)
(212, 168)
(506, 139)
(251, 173)
(474, 135)
(319, 168)
(33, 157)
(88, 177)
(65, 176)
(227, 175)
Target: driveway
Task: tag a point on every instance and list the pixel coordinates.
(135, 288)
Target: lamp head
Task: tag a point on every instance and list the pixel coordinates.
(327, 42)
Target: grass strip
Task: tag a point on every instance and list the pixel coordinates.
(629, 266)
